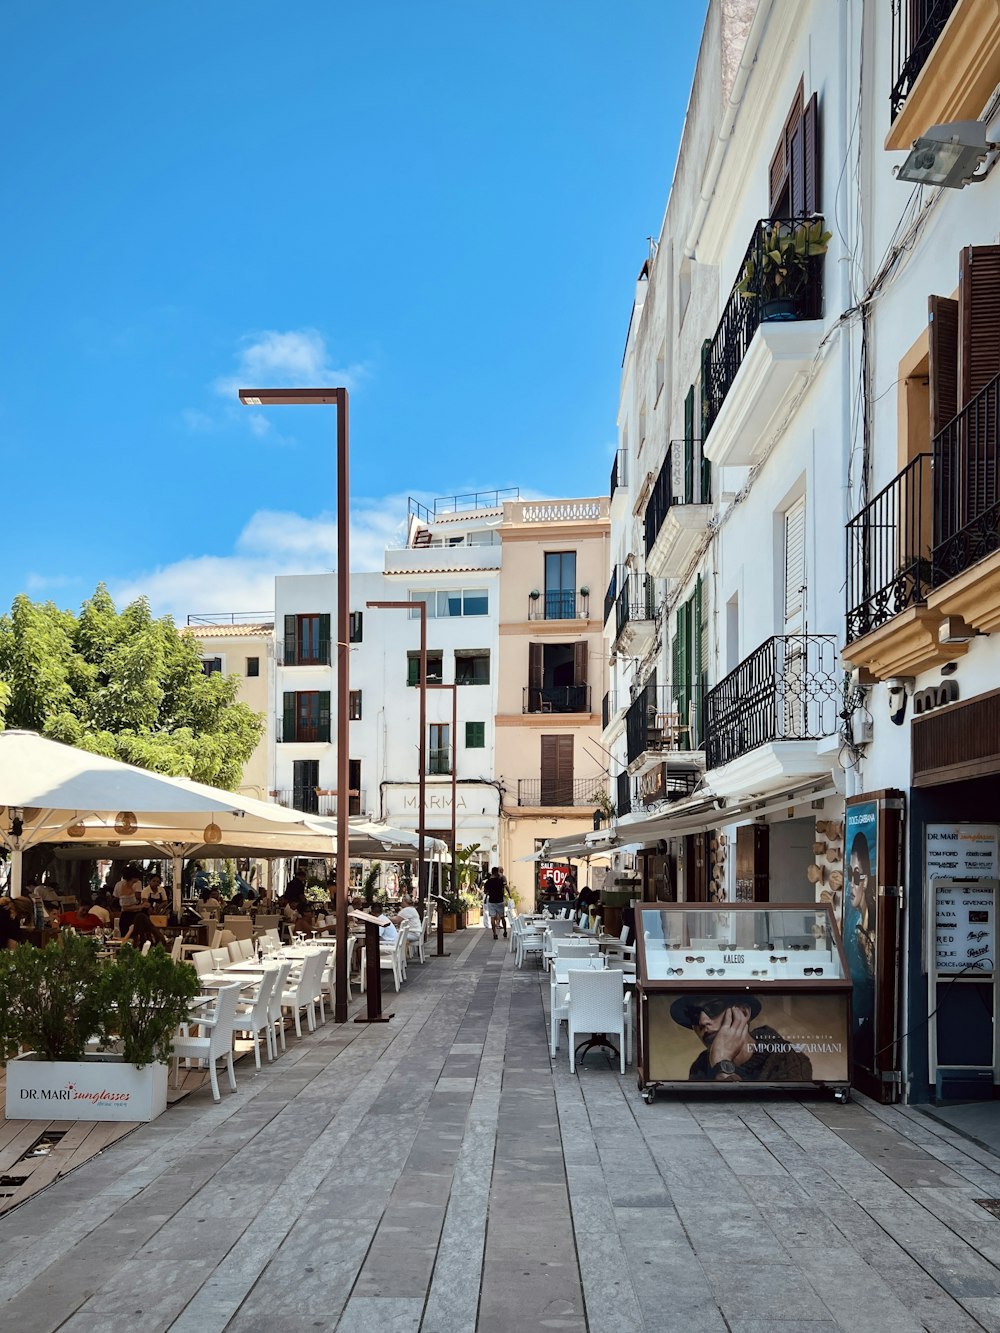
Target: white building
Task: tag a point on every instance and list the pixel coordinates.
(783, 423)
(450, 562)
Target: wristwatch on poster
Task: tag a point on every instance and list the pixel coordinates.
(724, 1067)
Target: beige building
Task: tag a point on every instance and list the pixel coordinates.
(552, 675)
(244, 649)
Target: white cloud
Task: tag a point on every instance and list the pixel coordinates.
(298, 357)
(197, 422)
(272, 542)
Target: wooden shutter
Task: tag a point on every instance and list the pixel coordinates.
(797, 169)
(795, 565)
(682, 661)
(324, 715)
(777, 175)
(534, 677)
(810, 155)
(557, 770)
(752, 863)
(288, 714)
(291, 656)
(324, 638)
(580, 663)
(697, 663)
(979, 317)
(942, 360)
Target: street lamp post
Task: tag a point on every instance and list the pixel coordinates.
(420, 607)
(335, 398)
(454, 781)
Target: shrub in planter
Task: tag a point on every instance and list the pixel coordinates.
(50, 998)
(142, 1000)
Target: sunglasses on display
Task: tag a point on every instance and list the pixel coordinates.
(675, 971)
(779, 958)
(692, 959)
(812, 971)
(759, 972)
(716, 971)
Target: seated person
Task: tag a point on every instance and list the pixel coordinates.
(13, 920)
(137, 929)
(211, 903)
(387, 932)
(87, 919)
(408, 917)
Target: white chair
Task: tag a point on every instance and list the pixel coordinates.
(220, 958)
(596, 1003)
(202, 961)
(219, 1042)
(304, 992)
(391, 957)
(146, 948)
(417, 942)
(529, 942)
(560, 927)
(235, 951)
(330, 974)
(175, 948)
(254, 1018)
(275, 1018)
(628, 979)
(574, 948)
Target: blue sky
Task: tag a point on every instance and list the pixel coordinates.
(443, 204)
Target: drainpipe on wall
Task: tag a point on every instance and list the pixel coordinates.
(721, 145)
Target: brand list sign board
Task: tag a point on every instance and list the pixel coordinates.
(962, 863)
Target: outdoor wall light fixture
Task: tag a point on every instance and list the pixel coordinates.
(948, 155)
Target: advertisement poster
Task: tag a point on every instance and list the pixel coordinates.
(799, 1038)
(552, 877)
(860, 921)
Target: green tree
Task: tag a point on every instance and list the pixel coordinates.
(123, 684)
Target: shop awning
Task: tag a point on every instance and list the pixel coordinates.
(699, 814)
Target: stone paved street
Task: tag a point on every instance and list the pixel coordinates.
(437, 1173)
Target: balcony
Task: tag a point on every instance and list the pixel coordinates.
(312, 801)
(298, 654)
(611, 596)
(301, 731)
(654, 727)
(926, 551)
(678, 509)
(945, 64)
(759, 718)
(556, 699)
(448, 556)
(543, 792)
(666, 782)
(766, 341)
(623, 794)
(635, 615)
(559, 606)
(619, 483)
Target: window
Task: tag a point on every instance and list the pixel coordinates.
(472, 668)
(557, 770)
(211, 665)
(688, 667)
(435, 668)
(794, 169)
(355, 622)
(306, 715)
(661, 371)
(475, 735)
(355, 796)
(307, 640)
(557, 678)
(354, 705)
(453, 602)
(253, 666)
(439, 749)
(305, 780)
(560, 585)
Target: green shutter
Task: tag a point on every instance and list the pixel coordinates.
(697, 661)
(290, 653)
(682, 671)
(689, 447)
(706, 387)
(324, 715)
(413, 670)
(288, 716)
(324, 639)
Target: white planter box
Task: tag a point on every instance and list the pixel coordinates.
(98, 1087)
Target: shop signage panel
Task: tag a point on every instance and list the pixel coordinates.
(767, 1038)
(964, 925)
(961, 851)
(861, 832)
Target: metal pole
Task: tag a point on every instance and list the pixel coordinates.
(454, 788)
(343, 688)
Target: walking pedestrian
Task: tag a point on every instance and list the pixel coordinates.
(493, 891)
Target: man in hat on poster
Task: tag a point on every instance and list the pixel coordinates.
(734, 1052)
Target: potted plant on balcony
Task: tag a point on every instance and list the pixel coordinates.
(778, 270)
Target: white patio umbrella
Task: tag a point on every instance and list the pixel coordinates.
(56, 793)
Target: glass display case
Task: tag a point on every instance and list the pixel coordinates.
(745, 993)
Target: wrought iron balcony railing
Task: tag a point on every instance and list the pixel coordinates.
(439, 760)
(556, 699)
(764, 291)
(559, 606)
(786, 690)
(967, 486)
(609, 708)
(611, 596)
(661, 720)
(888, 551)
(619, 472)
(301, 730)
(635, 601)
(916, 26)
(311, 801)
(300, 654)
(684, 479)
(560, 791)
(623, 794)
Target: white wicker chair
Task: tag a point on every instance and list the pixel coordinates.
(252, 1019)
(219, 1042)
(597, 1003)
